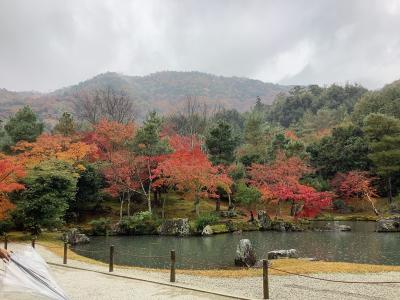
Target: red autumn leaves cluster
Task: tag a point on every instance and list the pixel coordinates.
(280, 181)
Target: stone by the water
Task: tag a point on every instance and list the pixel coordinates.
(207, 230)
(390, 224)
(264, 220)
(245, 254)
(177, 227)
(291, 253)
(74, 237)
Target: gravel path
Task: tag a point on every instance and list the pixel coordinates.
(89, 285)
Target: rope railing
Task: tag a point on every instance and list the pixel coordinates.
(173, 261)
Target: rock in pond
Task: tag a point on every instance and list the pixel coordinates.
(335, 227)
(207, 230)
(74, 237)
(245, 254)
(264, 220)
(390, 224)
(291, 253)
(178, 227)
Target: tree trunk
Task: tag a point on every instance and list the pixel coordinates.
(218, 204)
(129, 204)
(163, 206)
(251, 216)
(229, 201)
(390, 195)
(372, 204)
(121, 198)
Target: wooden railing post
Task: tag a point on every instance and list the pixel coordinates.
(5, 241)
(111, 266)
(65, 253)
(173, 259)
(33, 242)
(265, 279)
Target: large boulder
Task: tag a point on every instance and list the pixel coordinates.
(390, 224)
(207, 230)
(264, 220)
(178, 227)
(74, 237)
(291, 253)
(245, 254)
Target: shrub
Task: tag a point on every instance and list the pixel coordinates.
(140, 223)
(100, 226)
(5, 226)
(339, 204)
(204, 220)
(247, 196)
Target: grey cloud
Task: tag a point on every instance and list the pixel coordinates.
(47, 44)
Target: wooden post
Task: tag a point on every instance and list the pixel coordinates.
(173, 259)
(265, 279)
(111, 266)
(5, 241)
(33, 242)
(65, 253)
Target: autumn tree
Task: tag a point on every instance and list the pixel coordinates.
(280, 181)
(11, 171)
(189, 170)
(356, 184)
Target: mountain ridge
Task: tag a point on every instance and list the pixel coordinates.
(162, 91)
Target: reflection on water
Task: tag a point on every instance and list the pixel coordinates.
(361, 245)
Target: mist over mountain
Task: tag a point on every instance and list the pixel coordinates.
(162, 91)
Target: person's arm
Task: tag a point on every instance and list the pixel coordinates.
(4, 255)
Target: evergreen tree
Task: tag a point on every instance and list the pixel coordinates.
(384, 135)
(221, 144)
(66, 125)
(24, 125)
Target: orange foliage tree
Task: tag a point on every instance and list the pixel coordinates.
(188, 169)
(69, 149)
(10, 172)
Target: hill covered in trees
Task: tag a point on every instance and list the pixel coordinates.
(161, 91)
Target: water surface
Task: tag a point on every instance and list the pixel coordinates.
(361, 245)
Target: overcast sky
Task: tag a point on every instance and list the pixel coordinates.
(48, 44)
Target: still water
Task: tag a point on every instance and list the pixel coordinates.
(361, 245)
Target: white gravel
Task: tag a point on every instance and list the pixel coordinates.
(89, 285)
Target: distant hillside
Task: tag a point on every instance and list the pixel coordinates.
(162, 91)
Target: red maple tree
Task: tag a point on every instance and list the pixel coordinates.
(356, 184)
(280, 182)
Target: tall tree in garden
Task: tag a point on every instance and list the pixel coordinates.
(113, 140)
(189, 170)
(221, 144)
(384, 136)
(280, 182)
(356, 184)
(50, 188)
(24, 125)
(345, 150)
(11, 171)
(66, 125)
(149, 147)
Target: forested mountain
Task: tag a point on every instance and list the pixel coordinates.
(161, 91)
